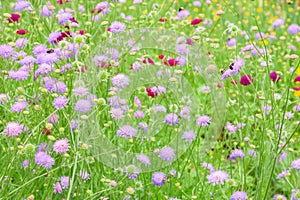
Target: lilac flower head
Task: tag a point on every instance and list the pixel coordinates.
(158, 108)
(171, 119)
(217, 177)
(45, 11)
(207, 166)
(80, 91)
(138, 114)
(53, 37)
(279, 197)
(6, 51)
(44, 160)
(295, 195)
(283, 174)
(239, 195)
(277, 23)
(237, 153)
(185, 113)
(120, 81)
(19, 106)
(21, 42)
(296, 164)
(84, 175)
(64, 17)
(183, 14)
(167, 154)
(57, 188)
(203, 121)
(189, 136)
(144, 159)
(83, 106)
(137, 102)
(60, 102)
(230, 127)
(117, 27)
(13, 129)
(24, 163)
(116, 113)
(231, 42)
(132, 171)
(38, 49)
(126, 131)
(252, 153)
(159, 178)
(22, 5)
(293, 29)
(64, 180)
(61, 146)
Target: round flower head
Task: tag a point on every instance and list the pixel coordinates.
(295, 195)
(246, 80)
(132, 171)
(64, 180)
(13, 129)
(126, 131)
(189, 136)
(120, 81)
(117, 27)
(60, 102)
(144, 159)
(57, 188)
(231, 42)
(237, 153)
(279, 197)
(19, 106)
(171, 119)
(293, 29)
(238, 195)
(296, 164)
(83, 106)
(274, 77)
(44, 160)
(6, 51)
(203, 121)
(80, 91)
(61, 146)
(159, 178)
(277, 23)
(217, 177)
(167, 153)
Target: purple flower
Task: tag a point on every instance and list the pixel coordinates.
(61, 146)
(24, 163)
(277, 23)
(138, 114)
(231, 42)
(295, 195)
(64, 180)
(54, 37)
(296, 164)
(19, 75)
(252, 153)
(283, 174)
(217, 177)
(117, 27)
(158, 108)
(183, 14)
(144, 159)
(21, 42)
(185, 113)
(143, 126)
(84, 175)
(60, 102)
(230, 127)
(159, 178)
(293, 29)
(266, 109)
(53, 119)
(22, 5)
(80, 91)
(132, 171)
(83, 106)
(171, 119)
(44, 160)
(207, 166)
(279, 197)
(43, 147)
(136, 66)
(237, 153)
(203, 121)
(239, 195)
(189, 136)
(116, 113)
(167, 154)
(19, 106)
(45, 11)
(120, 81)
(13, 129)
(6, 51)
(259, 35)
(57, 188)
(64, 17)
(282, 156)
(137, 102)
(39, 49)
(126, 131)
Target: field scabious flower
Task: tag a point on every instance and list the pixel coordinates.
(238, 195)
(283, 174)
(6, 51)
(61, 146)
(13, 129)
(57, 188)
(84, 175)
(22, 5)
(277, 23)
(126, 131)
(296, 164)
(60, 102)
(117, 27)
(120, 81)
(237, 153)
(171, 119)
(293, 29)
(217, 177)
(19, 106)
(167, 154)
(295, 195)
(159, 178)
(64, 181)
(144, 159)
(44, 160)
(279, 197)
(203, 121)
(83, 106)
(132, 171)
(189, 136)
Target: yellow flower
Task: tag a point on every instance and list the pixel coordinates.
(247, 14)
(216, 17)
(259, 10)
(297, 93)
(196, 10)
(298, 71)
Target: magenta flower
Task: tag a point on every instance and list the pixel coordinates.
(274, 77)
(246, 80)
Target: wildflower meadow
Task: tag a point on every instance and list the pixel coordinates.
(142, 99)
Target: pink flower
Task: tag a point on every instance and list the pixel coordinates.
(246, 80)
(21, 32)
(196, 21)
(14, 18)
(274, 77)
(61, 146)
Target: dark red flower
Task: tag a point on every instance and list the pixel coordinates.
(150, 61)
(246, 80)
(151, 93)
(14, 18)
(297, 79)
(81, 32)
(196, 21)
(82, 69)
(108, 29)
(296, 88)
(189, 41)
(274, 77)
(73, 20)
(66, 34)
(162, 20)
(161, 56)
(21, 32)
(60, 2)
(172, 62)
(46, 131)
